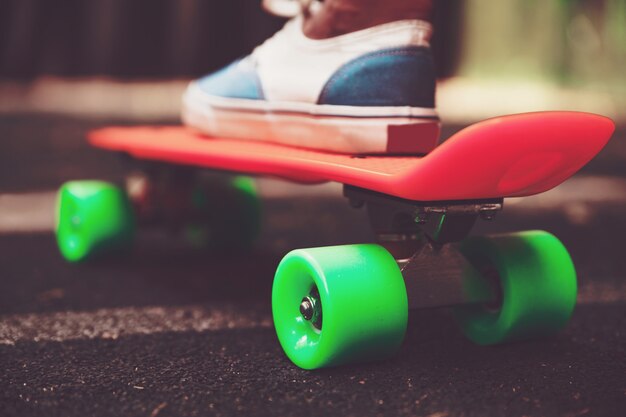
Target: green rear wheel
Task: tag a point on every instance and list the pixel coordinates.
(340, 304)
(536, 281)
(230, 213)
(92, 217)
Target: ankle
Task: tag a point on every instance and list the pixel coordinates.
(338, 17)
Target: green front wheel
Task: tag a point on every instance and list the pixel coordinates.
(340, 304)
(533, 278)
(229, 213)
(92, 217)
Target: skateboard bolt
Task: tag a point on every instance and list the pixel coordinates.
(311, 309)
(307, 308)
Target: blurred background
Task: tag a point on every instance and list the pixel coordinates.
(133, 58)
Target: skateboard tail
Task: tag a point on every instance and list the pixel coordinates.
(510, 156)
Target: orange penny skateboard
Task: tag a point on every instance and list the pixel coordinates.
(350, 303)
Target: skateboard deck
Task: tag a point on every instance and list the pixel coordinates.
(509, 156)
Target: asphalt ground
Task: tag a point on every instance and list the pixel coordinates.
(172, 330)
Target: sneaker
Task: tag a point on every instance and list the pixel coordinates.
(367, 92)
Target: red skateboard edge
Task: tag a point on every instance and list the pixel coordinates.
(509, 156)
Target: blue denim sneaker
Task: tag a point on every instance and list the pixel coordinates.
(370, 91)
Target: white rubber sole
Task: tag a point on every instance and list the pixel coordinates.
(344, 129)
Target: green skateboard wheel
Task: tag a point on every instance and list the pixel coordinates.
(536, 281)
(230, 211)
(339, 304)
(92, 217)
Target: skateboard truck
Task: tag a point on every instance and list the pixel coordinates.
(421, 237)
(400, 220)
(437, 276)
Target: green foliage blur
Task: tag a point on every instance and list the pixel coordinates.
(573, 43)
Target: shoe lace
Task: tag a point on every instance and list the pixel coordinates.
(288, 8)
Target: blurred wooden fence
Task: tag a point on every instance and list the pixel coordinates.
(126, 38)
(151, 38)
